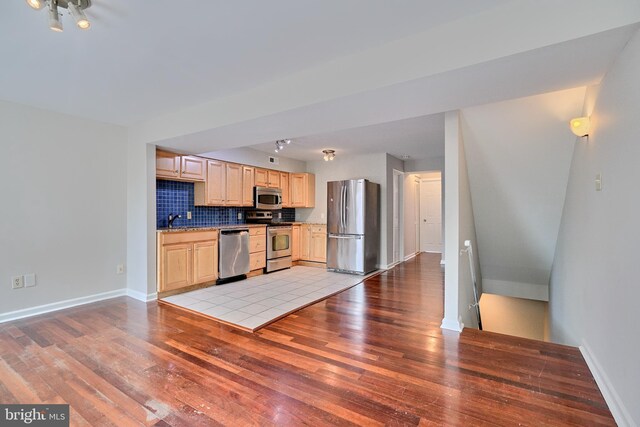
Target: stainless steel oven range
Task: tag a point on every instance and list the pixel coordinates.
(278, 247)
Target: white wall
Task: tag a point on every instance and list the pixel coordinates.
(63, 187)
(374, 167)
(595, 279)
(252, 157)
(459, 226)
(519, 153)
(427, 164)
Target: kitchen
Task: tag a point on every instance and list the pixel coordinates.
(220, 221)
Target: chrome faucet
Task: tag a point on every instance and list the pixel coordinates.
(172, 218)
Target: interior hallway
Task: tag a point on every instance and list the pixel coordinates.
(374, 354)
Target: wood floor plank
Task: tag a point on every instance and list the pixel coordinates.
(371, 355)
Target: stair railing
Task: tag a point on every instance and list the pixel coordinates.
(469, 250)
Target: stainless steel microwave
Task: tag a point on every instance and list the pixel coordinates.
(267, 198)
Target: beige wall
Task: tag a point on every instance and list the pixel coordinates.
(514, 316)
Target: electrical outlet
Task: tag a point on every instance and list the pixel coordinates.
(239, 215)
(120, 269)
(188, 214)
(29, 280)
(17, 282)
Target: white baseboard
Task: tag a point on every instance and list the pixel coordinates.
(141, 296)
(618, 410)
(60, 305)
(413, 255)
(452, 325)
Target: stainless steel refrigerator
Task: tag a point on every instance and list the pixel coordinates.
(353, 226)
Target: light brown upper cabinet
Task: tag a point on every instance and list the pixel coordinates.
(182, 168)
(284, 185)
(167, 165)
(302, 191)
(193, 168)
(261, 177)
(234, 185)
(274, 179)
(212, 192)
(247, 185)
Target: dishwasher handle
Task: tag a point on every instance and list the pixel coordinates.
(235, 231)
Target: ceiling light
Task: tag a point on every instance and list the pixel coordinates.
(54, 18)
(76, 7)
(81, 19)
(580, 126)
(329, 155)
(35, 4)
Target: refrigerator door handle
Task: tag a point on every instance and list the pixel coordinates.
(344, 207)
(342, 236)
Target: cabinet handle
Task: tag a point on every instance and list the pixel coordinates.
(175, 171)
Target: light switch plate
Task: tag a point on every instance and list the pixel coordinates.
(599, 182)
(239, 215)
(188, 214)
(29, 280)
(120, 269)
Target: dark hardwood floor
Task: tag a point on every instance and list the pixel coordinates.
(372, 355)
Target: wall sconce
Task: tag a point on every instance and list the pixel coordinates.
(329, 155)
(580, 126)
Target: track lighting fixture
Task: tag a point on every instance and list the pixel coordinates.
(54, 18)
(35, 4)
(81, 19)
(280, 144)
(76, 8)
(329, 155)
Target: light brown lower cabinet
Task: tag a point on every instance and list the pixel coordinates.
(295, 243)
(257, 248)
(186, 258)
(318, 243)
(313, 242)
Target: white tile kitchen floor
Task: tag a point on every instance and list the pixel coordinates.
(258, 301)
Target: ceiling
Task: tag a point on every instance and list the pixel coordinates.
(141, 59)
(419, 138)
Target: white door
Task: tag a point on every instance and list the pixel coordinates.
(431, 216)
(396, 216)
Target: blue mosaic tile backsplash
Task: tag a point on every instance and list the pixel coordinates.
(175, 197)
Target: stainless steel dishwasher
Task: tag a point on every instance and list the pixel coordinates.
(233, 254)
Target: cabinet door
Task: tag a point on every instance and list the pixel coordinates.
(295, 243)
(297, 193)
(305, 242)
(205, 261)
(318, 247)
(284, 185)
(234, 185)
(193, 168)
(216, 186)
(261, 177)
(247, 185)
(167, 165)
(274, 179)
(176, 262)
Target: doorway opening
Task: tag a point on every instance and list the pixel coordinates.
(430, 208)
